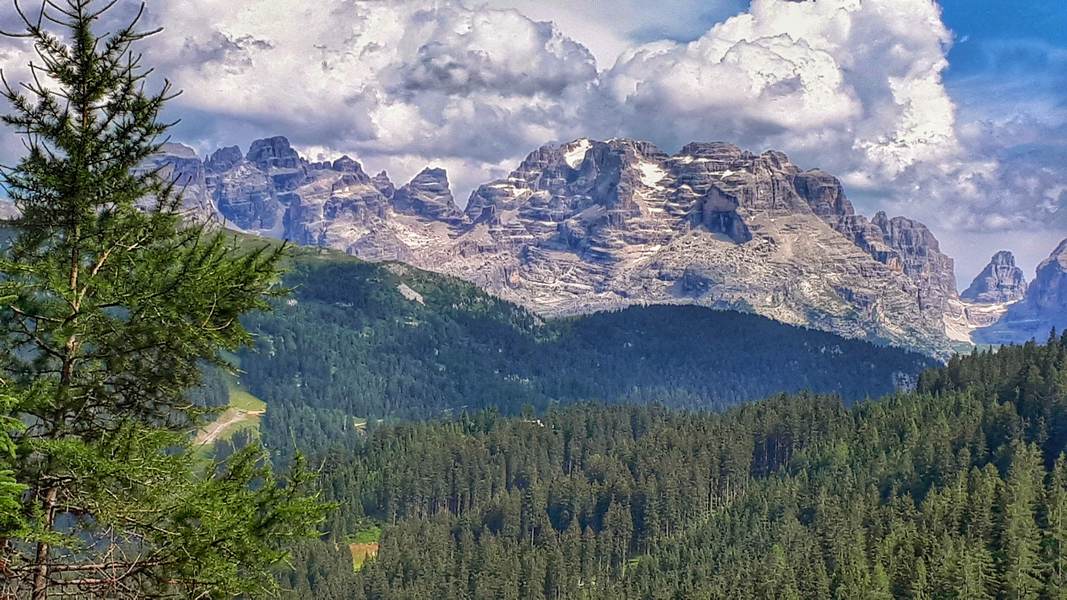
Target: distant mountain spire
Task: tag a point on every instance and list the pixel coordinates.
(1001, 281)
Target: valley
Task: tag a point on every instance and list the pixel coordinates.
(386, 341)
(655, 301)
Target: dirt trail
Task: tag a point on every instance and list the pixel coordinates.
(226, 421)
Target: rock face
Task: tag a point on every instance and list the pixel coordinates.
(1042, 308)
(384, 185)
(180, 165)
(274, 153)
(273, 191)
(907, 247)
(1001, 281)
(1049, 290)
(253, 191)
(593, 225)
(427, 195)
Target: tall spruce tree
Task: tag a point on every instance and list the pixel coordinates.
(110, 303)
(1021, 536)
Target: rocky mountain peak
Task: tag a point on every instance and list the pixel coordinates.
(1004, 258)
(1044, 307)
(574, 153)
(346, 164)
(383, 184)
(428, 195)
(251, 191)
(908, 235)
(224, 159)
(638, 149)
(921, 259)
(623, 220)
(179, 164)
(720, 151)
(1048, 292)
(1001, 281)
(273, 153)
(177, 150)
(823, 192)
(1060, 254)
(591, 225)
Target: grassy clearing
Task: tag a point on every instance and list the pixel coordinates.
(364, 546)
(370, 535)
(361, 553)
(242, 400)
(243, 414)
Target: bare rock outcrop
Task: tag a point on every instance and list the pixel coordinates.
(1000, 282)
(1043, 308)
(427, 195)
(592, 225)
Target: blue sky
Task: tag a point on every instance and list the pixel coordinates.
(1009, 61)
(984, 26)
(1000, 45)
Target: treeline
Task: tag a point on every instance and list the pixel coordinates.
(348, 344)
(213, 391)
(958, 490)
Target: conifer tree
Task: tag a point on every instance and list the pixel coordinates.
(1020, 537)
(11, 519)
(110, 304)
(1056, 532)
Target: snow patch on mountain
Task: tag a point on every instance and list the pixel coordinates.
(575, 153)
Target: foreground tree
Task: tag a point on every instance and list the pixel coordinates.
(110, 303)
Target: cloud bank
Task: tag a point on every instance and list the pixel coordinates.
(852, 86)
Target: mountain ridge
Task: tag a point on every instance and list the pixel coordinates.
(1041, 309)
(593, 225)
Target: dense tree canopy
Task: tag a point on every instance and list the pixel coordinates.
(957, 490)
(350, 346)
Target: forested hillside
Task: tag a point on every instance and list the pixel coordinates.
(958, 490)
(365, 341)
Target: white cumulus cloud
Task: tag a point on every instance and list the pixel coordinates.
(852, 86)
(415, 78)
(857, 84)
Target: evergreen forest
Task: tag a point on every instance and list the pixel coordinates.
(955, 490)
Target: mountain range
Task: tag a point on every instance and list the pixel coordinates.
(594, 225)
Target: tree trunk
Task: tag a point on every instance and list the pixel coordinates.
(40, 573)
